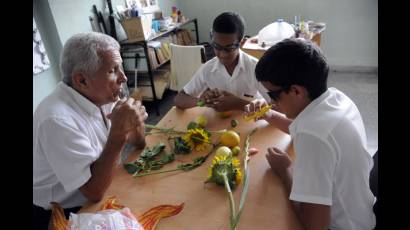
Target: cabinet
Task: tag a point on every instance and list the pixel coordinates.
(150, 78)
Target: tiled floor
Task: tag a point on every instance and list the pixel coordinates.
(362, 88)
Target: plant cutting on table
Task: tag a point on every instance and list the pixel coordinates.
(195, 138)
(225, 171)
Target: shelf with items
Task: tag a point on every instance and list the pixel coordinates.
(161, 83)
(140, 81)
(155, 55)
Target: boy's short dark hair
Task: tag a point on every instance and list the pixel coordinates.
(294, 62)
(229, 23)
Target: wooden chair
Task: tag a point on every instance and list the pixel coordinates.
(185, 61)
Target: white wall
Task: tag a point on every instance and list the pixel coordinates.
(58, 20)
(45, 82)
(350, 39)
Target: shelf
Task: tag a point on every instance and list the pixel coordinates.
(145, 72)
(159, 75)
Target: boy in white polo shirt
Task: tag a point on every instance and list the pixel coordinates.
(226, 82)
(328, 182)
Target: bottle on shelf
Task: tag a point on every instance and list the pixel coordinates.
(174, 14)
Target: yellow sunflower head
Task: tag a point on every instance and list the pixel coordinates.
(238, 177)
(196, 139)
(228, 165)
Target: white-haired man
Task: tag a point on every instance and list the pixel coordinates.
(80, 129)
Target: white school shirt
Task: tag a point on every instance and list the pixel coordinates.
(333, 163)
(242, 83)
(69, 134)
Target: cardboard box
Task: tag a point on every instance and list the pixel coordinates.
(138, 28)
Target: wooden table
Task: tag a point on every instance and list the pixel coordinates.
(207, 206)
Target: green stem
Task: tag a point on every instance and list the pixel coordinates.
(166, 130)
(246, 148)
(171, 130)
(218, 131)
(151, 173)
(231, 200)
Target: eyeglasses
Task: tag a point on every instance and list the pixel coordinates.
(275, 94)
(228, 48)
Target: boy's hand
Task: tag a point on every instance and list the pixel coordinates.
(256, 106)
(225, 101)
(209, 95)
(278, 160)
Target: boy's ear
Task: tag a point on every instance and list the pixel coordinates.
(300, 91)
(242, 41)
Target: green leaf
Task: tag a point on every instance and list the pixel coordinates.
(131, 168)
(200, 103)
(181, 147)
(189, 166)
(158, 148)
(207, 133)
(167, 158)
(148, 154)
(199, 160)
(234, 123)
(192, 125)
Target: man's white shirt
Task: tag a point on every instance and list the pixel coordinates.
(69, 134)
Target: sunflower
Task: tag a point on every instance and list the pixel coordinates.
(196, 139)
(225, 165)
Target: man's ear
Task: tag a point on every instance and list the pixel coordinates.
(80, 81)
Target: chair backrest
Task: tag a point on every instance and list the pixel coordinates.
(185, 61)
(373, 179)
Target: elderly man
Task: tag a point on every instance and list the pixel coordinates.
(80, 129)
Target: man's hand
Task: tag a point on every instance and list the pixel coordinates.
(127, 115)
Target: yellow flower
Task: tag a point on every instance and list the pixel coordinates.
(196, 139)
(209, 173)
(225, 165)
(238, 176)
(235, 162)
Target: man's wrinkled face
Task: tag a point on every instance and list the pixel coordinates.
(106, 83)
(226, 47)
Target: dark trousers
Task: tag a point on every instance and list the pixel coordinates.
(41, 216)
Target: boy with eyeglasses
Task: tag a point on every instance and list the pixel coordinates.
(226, 82)
(328, 183)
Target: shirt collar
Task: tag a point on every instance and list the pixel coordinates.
(307, 110)
(218, 65)
(85, 104)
